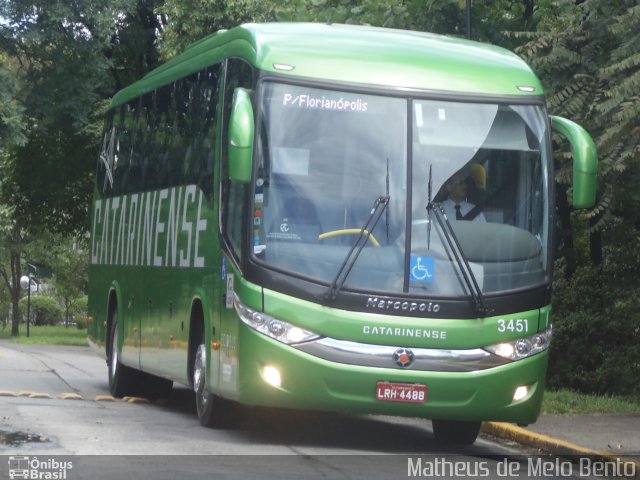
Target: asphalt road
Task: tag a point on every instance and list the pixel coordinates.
(54, 401)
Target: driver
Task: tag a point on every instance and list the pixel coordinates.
(456, 205)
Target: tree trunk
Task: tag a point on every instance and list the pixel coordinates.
(15, 315)
(15, 292)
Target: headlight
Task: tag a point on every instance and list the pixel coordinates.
(272, 327)
(523, 347)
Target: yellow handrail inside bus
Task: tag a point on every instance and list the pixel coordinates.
(349, 231)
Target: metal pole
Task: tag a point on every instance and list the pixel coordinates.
(469, 19)
(28, 303)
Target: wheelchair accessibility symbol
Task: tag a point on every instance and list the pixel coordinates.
(422, 269)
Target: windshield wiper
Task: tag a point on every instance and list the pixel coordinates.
(460, 257)
(379, 206)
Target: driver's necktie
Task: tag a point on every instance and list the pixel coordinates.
(458, 213)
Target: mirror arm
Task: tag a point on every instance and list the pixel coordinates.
(585, 160)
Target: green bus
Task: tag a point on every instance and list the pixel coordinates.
(274, 224)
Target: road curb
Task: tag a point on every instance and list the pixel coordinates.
(552, 445)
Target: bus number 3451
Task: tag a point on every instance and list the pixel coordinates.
(517, 325)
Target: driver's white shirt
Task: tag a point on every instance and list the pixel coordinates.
(449, 207)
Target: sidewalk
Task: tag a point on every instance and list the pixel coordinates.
(606, 436)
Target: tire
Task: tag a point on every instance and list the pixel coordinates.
(211, 409)
(123, 380)
(454, 432)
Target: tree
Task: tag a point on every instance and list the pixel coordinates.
(588, 57)
(133, 47)
(11, 110)
(70, 57)
(67, 54)
(11, 135)
(70, 261)
(11, 246)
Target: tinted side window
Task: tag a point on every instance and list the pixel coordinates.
(164, 138)
(104, 175)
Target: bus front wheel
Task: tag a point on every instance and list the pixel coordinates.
(205, 401)
(454, 432)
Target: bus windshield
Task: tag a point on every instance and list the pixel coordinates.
(327, 157)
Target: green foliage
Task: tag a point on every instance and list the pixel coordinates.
(58, 46)
(44, 310)
(81, 323)
(385, 13)
(132, 48)
(78, 310)
(60, 62)
(62, 78)
(569, 402)
(50, 335)
(69, 259)
(71, 57)
(596, 325)
(11, 110)
(38, 166)
(588, 57)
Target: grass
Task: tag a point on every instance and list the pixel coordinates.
(569, 402)
(47, 335)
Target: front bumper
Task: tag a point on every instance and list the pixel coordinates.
(311, 382)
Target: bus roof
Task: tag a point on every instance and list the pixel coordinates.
(373, 56)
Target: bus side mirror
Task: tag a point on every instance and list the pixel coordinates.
(585, 160)
(241, 128)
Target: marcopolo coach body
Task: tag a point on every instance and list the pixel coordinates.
(332, 217)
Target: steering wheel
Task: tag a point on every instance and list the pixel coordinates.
(349, 231)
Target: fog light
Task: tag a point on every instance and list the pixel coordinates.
(521, 392)
(271, 375)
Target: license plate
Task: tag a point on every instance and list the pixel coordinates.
(401, 392)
